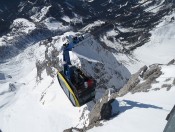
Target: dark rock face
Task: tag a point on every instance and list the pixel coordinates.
(106, 111)
(95, 114)
(171, 62)
(73, 130)
(102, 110)
(167, 86)
(174, 81)
(9, 76)
(12, 87)
(149, 74)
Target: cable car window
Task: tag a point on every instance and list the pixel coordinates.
(72, 99)
(64, 86)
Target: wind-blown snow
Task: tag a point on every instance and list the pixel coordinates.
(19, 27)
(88, 0)
(54, 25)
(40, 15)
(76, 19)
(22, 25)
(66, 18)
(92, 25)
(109, 43)
(156, 7)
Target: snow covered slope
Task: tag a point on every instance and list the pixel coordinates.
(24, 104)
(160, 49)
(41, 105)
(30, 96)
(29, 105)
(18, 28)
(145, 111)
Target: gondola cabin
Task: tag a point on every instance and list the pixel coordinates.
(78, 87)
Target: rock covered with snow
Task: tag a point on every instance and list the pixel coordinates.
(101, 65)
(142, 80)
(95, 114)
(40, 14)
(171, 62)
(94, 61)
(22, 25)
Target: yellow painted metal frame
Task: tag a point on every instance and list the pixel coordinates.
(69, 88)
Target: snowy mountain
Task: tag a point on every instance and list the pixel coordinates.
(121, 37)
(136, 111)
(132, 18)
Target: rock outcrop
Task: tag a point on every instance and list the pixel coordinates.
(142, 80)
(97, 113)
(171, 62)
(51, 60)
(12, 87)
(174, 81)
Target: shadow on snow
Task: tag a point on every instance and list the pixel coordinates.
(128, 104)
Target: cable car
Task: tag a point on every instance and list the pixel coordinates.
(79, 88)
